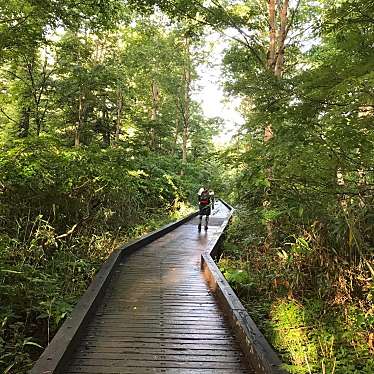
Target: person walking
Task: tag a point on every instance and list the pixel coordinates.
(206, 200)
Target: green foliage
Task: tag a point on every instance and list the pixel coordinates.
(303, 237)
(238, 277)
(95, 114)
(288, 321)
(62, 212)
(25, 23)
(303, 231)
(302, 302)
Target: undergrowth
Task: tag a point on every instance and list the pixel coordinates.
(39, 290)
(62, 212)
(313, 304)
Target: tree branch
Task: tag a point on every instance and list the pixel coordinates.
(247, 38)
(11, 119)
(292, 18)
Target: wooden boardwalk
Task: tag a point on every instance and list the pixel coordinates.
(158, 314)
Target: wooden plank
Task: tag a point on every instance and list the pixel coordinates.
(161, 303)
(207, 310)
(152, 339)
(157, 356)
(172, 317)
(197, 298)
(119, 335)
(172, 345)
(214, 351)
(166, 300)
(124, 363)
(152, 321)
(159, 327)
(127, 370)
(158, 315)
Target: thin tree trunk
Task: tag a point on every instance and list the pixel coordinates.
(186, 115)
(38, 92)
(266, 203)
(271, 56)
(176, 134)
(79, 124)
(272, 34)
(268, 132)
(106, 128)
(119, 114)
(186, 106)
(24, 125)
(38, 121)
(362, 184)
(155, 101)
(275, 64)
(34, 91)
(278, 70)
(343, 200)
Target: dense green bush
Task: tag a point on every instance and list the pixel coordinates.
(309, 294)
(62, 211)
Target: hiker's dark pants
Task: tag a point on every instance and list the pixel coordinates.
(204, 210)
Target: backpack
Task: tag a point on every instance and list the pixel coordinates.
(204, 198)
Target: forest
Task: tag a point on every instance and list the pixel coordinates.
(102, 140)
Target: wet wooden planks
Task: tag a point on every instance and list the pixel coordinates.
(159, 316)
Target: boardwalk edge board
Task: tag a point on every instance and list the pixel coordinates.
(62, 345)
(254, 345)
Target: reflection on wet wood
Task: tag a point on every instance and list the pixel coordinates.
(158, 314)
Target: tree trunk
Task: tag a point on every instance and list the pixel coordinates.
(38, 121)
(271, 55)
(278, 70)
(176, 132)
(186, 106)
(79, 124)
(119, 114)
(275, 64)
(272, 34)
(268, 132)
(24, 125)
(106, 128)
(34, 91)
(266, 203)
(155, 102)
(275, 61)
(186, 120)
(342, 199)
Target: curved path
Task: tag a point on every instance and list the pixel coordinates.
(159, 316)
